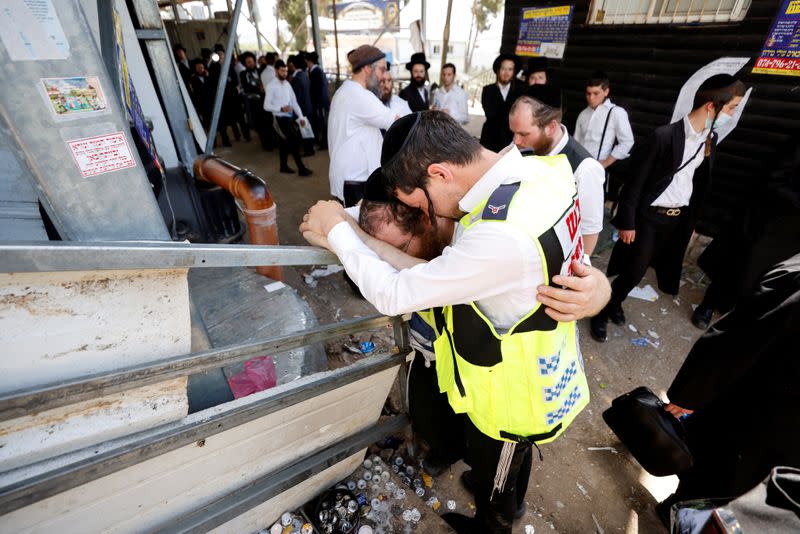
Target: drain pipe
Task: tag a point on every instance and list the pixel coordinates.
(259, 207)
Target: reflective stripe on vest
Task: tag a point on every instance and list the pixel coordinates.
(527, 384)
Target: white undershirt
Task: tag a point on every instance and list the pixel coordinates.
(590, 177)
(504, 89)
(679, 192)
(589, 130)
(454, 100)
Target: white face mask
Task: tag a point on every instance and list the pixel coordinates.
(722, 119)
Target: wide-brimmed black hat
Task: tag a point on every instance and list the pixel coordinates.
(536, 64)
(417, 58)
(503, 57)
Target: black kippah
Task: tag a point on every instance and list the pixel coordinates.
(375, 188)
(397, 136)
(549, 94)
(718, 81)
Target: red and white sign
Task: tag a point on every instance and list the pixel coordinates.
(101, 154)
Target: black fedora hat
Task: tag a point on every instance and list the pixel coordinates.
(537, 64)
(417, 58)
(505, 57)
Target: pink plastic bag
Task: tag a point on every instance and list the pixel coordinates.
(258, 374)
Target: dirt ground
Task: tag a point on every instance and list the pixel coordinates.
(587, 481)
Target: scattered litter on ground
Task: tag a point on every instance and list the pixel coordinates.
(427, 480)
(529, 529)
(652, 334)
(617, 334)
(632, 328)
(643, 341)
(274, 286)
(311, 278)
(597, 524)
(643, 315)
(677, 302)
(612, 449)
(644, 293)
(451, 505)
(686, 338)
(694, 307)
(582, 489)
(560, 504)
(602, 385)
(664, 311)
(350, 348)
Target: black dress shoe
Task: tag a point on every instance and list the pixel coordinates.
(287, 170)
(615, 313)
(466, 480)
(305, 171)
(701, 317)
(460, 523)
(598, 327)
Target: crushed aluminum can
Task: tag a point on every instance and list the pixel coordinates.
(367, 464)
(409, 471)
(367, 475)
(351, 485)
(366, 347)
(361, 499)
(286, 519)
(406, 515)
(361, 484)
(420, 492)
(415, 515)
(451, 505)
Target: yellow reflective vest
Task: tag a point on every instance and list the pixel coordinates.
(526, 384)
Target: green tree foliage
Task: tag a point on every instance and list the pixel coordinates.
(294, 13)
(482, 10)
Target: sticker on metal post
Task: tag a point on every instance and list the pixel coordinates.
(31, 31)
(101, 154)
(80, 96)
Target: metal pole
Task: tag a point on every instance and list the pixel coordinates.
(223, 78)
(254, 18)
(445, 39)
(336, 39)
(312, 7)
(208, 9)
(175, 11)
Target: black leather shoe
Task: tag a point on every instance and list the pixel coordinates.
(701, 317)
(598, 327)
(305, 171)
(615, 313)
(466, 480)
(460, 523)
(287, 170)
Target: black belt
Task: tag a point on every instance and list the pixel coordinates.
(669, 212)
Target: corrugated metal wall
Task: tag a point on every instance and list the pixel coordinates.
(648, 64)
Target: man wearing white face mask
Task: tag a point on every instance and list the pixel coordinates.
(659, 204)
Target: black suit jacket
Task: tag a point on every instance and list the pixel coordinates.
(495, 134)
(652, 167)
(318, 87)
(411, 95)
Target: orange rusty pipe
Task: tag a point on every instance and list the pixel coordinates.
(259, 207)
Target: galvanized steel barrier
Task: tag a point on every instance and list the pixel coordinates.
(48, 477)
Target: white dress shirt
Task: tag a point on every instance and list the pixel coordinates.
(399, 106)
(267, 75)
(589, 129)
(355, 122)
(504, 89)
(454, 101)
(279, 93)
(423, 93)
(590, 178)
(496, 265)
(679, 191)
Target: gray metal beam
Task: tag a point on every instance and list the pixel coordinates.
(261, 490)
(65, 392)
(54, 256)
(312, 6)
(150, 35)
(91, 463)
(223, 77)
(167, 82)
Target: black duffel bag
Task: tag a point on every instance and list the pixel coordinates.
(653, 435)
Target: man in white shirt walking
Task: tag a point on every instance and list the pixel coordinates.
(451, 98)
(537, 126)
(430, 162)
(603, 128)
(281, 101)
(392, 101)
(355, 122)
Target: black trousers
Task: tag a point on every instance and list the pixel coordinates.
(655, 232)
(495, 512)
(432, 418)
(289, 141)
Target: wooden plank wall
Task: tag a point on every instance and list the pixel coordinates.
(648, 64)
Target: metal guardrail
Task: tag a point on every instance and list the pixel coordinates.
(31, 483)
(53, 256)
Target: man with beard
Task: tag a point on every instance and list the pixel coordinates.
(355, 123)
(395, 103)
(254, 98)
(537, 126)
(282, 103)
(496, 99)
(415, 93)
